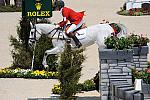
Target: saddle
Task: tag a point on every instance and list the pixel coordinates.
(75, 31)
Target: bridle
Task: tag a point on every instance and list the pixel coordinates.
(55, 29)
(34, 33)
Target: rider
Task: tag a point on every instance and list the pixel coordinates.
(75, 18)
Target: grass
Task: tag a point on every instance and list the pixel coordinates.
(10, 8)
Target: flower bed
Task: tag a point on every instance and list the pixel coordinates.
(128, 42)
(133, 12)
(22, 73)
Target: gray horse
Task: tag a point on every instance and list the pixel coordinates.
(87, 36)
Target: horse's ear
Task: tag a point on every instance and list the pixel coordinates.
(31, 24)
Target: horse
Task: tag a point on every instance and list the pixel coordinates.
(87, 36)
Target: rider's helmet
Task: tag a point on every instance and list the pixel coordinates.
(58, 4)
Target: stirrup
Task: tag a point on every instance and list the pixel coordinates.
(78, 45)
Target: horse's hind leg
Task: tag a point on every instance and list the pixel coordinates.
(55, 50)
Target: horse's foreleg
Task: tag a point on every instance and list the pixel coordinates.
(55, 50)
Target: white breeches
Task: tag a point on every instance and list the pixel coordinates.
(74, 27)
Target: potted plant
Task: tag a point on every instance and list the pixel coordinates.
(145, 76)
(139, 44)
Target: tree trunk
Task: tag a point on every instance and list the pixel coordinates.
(15, 2)
(7, 2)
(18, 3)
(2, 3)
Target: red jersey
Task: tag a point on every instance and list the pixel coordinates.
(72, 16)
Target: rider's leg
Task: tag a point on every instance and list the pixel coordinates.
(69, 33)
(80, 24)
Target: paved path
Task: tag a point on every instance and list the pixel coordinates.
(21, 89)
(96, 11)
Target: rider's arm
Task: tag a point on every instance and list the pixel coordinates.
(62, 23)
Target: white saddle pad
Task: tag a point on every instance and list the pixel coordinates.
(81, 34)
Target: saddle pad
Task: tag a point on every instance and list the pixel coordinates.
(81, 34)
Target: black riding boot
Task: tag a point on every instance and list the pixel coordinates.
(77, 42)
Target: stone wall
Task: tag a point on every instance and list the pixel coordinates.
(140, 57)
(115, 66)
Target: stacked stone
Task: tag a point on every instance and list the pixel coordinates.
(114, 67)
(140, 57)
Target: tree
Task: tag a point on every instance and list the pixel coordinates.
(18, 3)
(22, 53)
(70, 71)
(43, 44)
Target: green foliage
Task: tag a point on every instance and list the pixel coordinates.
(133, 40)
(56, 89)
(87, 85)
(144, 75)
(44, 43)
(131, 12)
(138, 40)
(21, 53)
(70, 71)
(22, 73)
(113, 42)
(10, 8)
(122, 12)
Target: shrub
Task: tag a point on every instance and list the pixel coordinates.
(133, 40)
(144, 75)
(10, 8)
(138, 40)
(22, 53)
(131, 12)
(87, 85)
(44, 43)
(56, 89)
(122, 12)
(113, 42)
(70, 71)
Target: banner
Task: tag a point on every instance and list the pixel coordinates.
(37, 8)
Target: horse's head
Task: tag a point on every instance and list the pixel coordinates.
(34, 34)
(38, 29)
(123, 31)
(119, 29)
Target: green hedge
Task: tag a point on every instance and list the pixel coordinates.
(10, 8)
